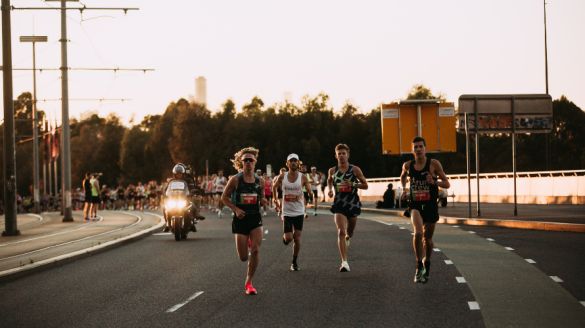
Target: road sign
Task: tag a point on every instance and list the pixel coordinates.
(531, 113)
(430, 118)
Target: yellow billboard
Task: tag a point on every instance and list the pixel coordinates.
(430, 118)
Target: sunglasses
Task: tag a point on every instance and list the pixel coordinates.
(293, 160)
(248, 160)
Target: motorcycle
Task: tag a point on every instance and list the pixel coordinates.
(177, 209)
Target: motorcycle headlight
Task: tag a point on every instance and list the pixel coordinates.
(175, 203)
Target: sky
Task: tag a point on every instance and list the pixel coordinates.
(366, 52)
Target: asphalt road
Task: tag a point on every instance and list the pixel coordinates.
(144, 283)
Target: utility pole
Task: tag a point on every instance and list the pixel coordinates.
(547, 136)
(35, 123)
(9, 147)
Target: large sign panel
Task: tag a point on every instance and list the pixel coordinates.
(433, 120)
(505, 113)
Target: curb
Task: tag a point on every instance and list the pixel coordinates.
(69, 257)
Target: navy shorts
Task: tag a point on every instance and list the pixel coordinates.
(428, 211)
(247, 224)
(293, 221)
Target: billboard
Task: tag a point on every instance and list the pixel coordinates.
(530, 113)
(432, 119)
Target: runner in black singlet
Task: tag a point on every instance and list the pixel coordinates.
(425, 176)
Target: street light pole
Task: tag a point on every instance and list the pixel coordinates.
(65, 134)
(35, 124)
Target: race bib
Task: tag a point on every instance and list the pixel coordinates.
(249, 199)
(344, 188)
(421, 195)
(291, 198)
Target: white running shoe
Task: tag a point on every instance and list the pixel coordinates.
(344, 267)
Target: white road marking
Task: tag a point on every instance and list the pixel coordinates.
(471, 231)
(489, 239)
(509, 248)
(582, 303)
(266, 231)
(455, 226)
(436, 250)
(402, 228)
(531, 261)
(556, 279)
(461, 280)
(473, 305)
(162, 234)
(448, 262)
(180, 305)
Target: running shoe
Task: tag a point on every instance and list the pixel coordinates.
(250, 290)
(294, 267)
(419, 275)
(344, 267)
(264, 213)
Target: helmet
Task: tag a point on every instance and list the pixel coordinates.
(179, 169)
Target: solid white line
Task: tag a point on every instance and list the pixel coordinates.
(461, 280)
(436, 250)
(556, 279)
(473, 305)
(509, 248)
(489, 239)
(180, 305)
(448, 262)
(531, 261)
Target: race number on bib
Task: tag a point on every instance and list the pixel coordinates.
(421, 195)
(344, 188)
(249, 199)
(291, 198)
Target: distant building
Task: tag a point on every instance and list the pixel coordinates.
(201, 90)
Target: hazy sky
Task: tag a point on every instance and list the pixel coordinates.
(367, 51)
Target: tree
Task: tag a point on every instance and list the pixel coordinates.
(419, 91)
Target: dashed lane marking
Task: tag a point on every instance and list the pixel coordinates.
(490, 239)
(455, 226)
(448, 262)
(461, 280)
(162, 234)
(582, 303)
(180, 305)
(473, 306)
(471, 231)
(436, 250)
(509, 248)
(556, 279)
(531, 261)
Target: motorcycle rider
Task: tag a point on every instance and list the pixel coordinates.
(183, 172)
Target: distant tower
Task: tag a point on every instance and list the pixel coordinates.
(201, 90)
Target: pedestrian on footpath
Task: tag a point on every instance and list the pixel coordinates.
(244, 194)
(87, 200)
(425, 175)
(95, 195)
(347, 179)
(291, 205)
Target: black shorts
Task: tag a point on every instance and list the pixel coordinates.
(247, 224)
(88, 197)
(428, 211)
(293, 221)
(95, 199)
(307, 198)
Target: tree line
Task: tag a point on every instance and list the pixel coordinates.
(190, 133)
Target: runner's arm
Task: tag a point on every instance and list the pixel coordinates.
(363, 183)
(443, 181)
(226, 197)
(305, 181)
(330, 181)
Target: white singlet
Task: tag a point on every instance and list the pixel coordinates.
(293, 201)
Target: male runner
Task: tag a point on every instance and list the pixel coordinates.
(315, 183)
(291, 204)
(425, 176)
(347, 179)
(243, 194)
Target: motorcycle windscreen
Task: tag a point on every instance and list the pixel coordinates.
(177, 187)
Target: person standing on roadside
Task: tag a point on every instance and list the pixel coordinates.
(244, 194)
(347, 179)
(425, 176)
(87, 200)
(291, 204)
(95, 195)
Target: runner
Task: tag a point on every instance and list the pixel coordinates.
(244, 196)
(278, 194)
(315, 183)
(219, 185)
(425, 176)
(291, 204)
(346, 207)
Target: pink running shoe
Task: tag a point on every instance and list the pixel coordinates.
(250, 290)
